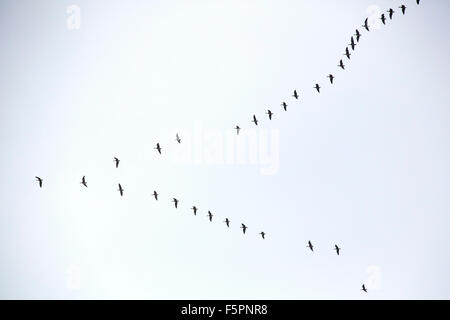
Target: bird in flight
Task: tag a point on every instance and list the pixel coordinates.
(210, 215)
(227, 221)
(177, 139)
(255, 121)
(270, 113)
(263, 234)
(158, 147)
(337, 249)
(341, 64)
(237, 129)
(155, 194)
(366, 24)
(116, 161)
(403, 7)
(194, 208)
(391, 13)
(317, 87)
(347, 53)
(310, 246)
(364, 288)
(243, 227)
(284, 104)
(331, 77)
(83, 181)
(352, 43)
(120, 190)
(40, 181)
(358, 35)
(295, 95)
(383, 18)
(175, 201)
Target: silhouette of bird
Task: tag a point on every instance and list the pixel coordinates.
(40, 181)
(403, 7)
(284, 104)
(155, 194)
(210, 215)
(178, 138)
(83, 181)
(337, 249)
(310, 246)
(295, 95)
(364, 288)
(243, 227)
(366, 24)
(194, 208)
(341, 64)
(331, 77)
(120, 190)
(317, 87)
(237, 129)
(391, 13)
(358, 35)
(255, 121)
(270, 113)
(175, 201)
(418, 1)
(352, 43)
(383, 18)
(227, 221)
(158, 147)
(116, 161)
(347, 53)
(263, 234)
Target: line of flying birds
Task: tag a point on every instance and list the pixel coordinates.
(270, 114)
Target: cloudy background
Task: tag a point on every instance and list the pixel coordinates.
(364, 165)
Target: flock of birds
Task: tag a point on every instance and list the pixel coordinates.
(270, 114)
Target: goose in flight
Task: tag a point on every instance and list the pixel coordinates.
(194, 208)
(352, 43)
(347, 53)
(243, 227)
(403, 7)
(295, 95)
(177, 139)
(331, 77)
(317, 87)
(175, 201)
(210, 215)
(364, 288)
(263, 234)
(116, 161)
(270, 113)
(120, 190)
(155, 194)
(341, 64)
(255, 121)
(158, 147)
(237, 129)
(337, 249)
(383, 18)
(227, 221)
(284, 105)
(391, 13)
(310, 246)
(40, 181)
(358, 35)
(83, 181)
(366, 24)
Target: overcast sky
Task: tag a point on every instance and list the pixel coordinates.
(364, 164)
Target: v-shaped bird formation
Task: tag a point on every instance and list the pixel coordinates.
(270, 114)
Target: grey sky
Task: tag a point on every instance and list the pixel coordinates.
(365, 164)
